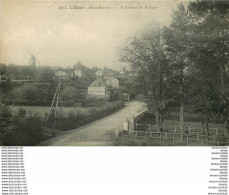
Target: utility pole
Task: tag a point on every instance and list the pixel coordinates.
(55, 98)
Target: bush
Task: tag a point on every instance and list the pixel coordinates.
(6, 119)
(76, 119)
(25, 130)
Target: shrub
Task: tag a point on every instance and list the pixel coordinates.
(76, 119)
(26, 130)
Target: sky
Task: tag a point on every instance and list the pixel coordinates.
(62, 37)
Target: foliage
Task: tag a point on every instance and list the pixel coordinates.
(44, 74)
(89, 73)
(191, 58)
(2, 69)
(25, 129)
(5, 119)
(71, 120)
(146, 55)
(15, 71)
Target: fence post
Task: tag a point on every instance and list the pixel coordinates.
(187, 140)
(189, 130)
(216, 132)
(175, 129)
(166, 135)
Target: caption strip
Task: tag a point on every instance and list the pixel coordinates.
(13, 171)
(218, 171)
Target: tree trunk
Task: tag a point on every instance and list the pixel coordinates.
(202, 123)
(227, 124)
(207, 127)
(182, 119)
(157, 121)
(182, 102)
(160, 93)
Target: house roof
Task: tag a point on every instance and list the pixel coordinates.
(121, 76)
(109, 79)
(109, 72)
(98, 83)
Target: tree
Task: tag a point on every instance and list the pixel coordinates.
(45, 75)
(5, 119)
(2, 69)
(209, 56)
(146, 56)
(176, 40)
(89, 74)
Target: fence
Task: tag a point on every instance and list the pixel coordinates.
(173, 134)
(176, 129)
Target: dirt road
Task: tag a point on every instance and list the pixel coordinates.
(98, 133)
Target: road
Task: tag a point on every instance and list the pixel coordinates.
(98, 133)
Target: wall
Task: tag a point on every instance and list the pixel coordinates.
(115, 83)
(137, 118)
(101, 91)
(60, 74)
(78, 73)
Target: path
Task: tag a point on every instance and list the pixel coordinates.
(101, 132)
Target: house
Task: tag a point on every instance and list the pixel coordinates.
(123, 71)
(122, 79)
(109, 72)
(97, 90)
(60, 74)
(99, 73)
(21, 79)
(78, 73)
(111, 82)
(64, 74)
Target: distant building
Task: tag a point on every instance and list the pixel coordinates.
(109, 72)
(123, 71)
(122, 79)
(111, 82)
(97, 90)
(64, 74)
(60, 74)
(99, 73)
(78, 73)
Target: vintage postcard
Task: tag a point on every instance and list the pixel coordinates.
(114, 73)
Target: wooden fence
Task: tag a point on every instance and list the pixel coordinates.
(176, 129)
(173, 135)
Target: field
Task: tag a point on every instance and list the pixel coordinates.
(42, 110)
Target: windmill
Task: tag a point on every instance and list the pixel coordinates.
(33, 60)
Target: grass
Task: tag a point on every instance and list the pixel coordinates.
(75, 119)
(42, 110)
(131, 140)
(142, 141)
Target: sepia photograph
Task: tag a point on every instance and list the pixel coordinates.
(114, 73)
